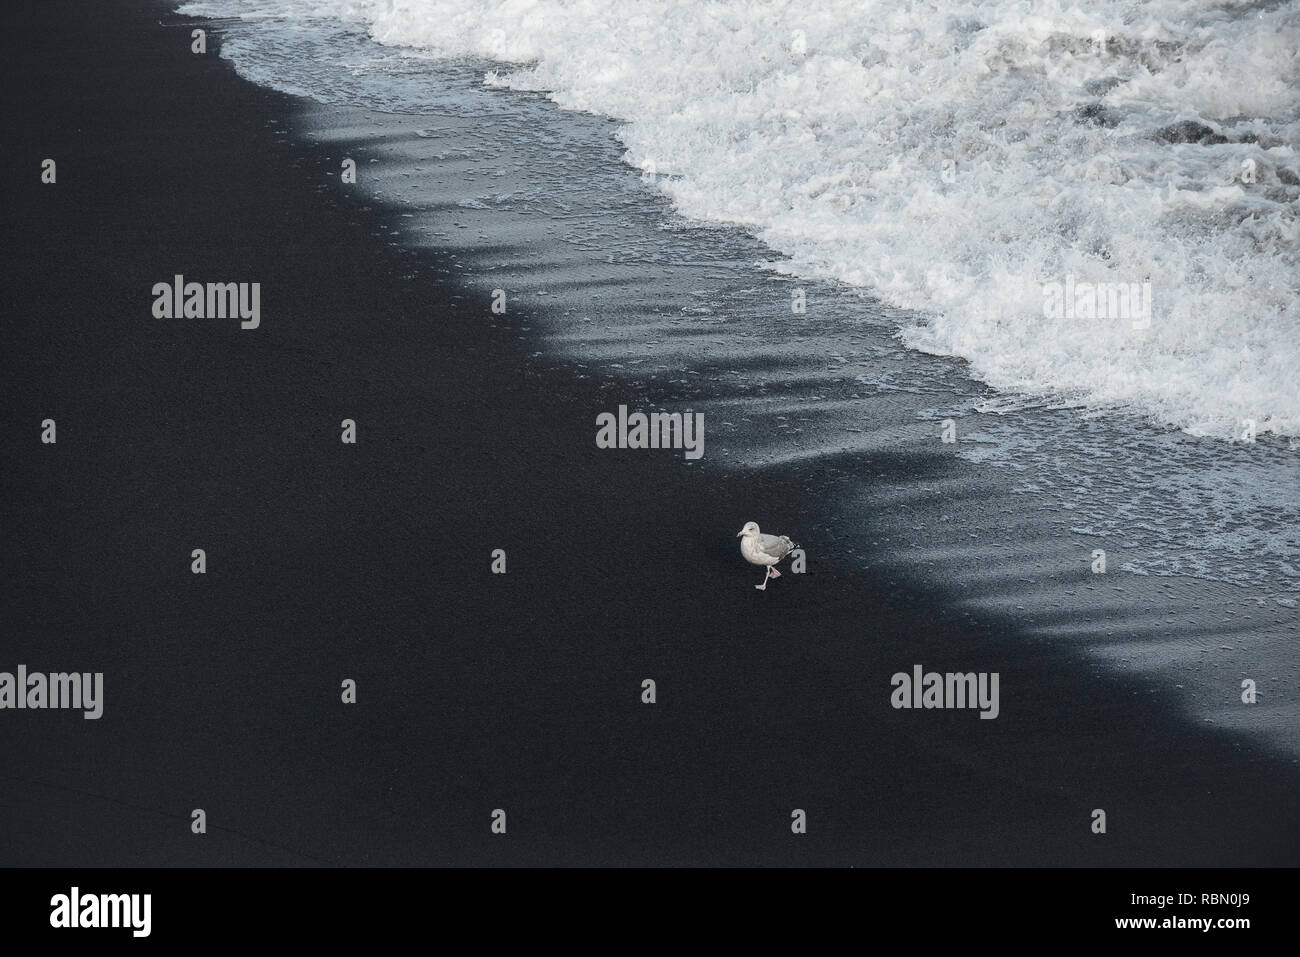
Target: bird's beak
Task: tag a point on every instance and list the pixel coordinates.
(739, 533)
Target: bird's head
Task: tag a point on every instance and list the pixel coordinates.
(749, 531)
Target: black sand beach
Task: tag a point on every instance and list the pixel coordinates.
(372, 562)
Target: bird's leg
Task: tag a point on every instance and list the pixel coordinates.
(763, 587)
(775, 573)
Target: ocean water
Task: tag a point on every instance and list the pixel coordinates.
(655, 255)
(955, 159)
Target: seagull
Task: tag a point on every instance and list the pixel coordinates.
(760, 549)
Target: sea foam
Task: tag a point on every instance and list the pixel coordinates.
(956, 159)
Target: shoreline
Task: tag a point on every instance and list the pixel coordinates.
(519, 691)
(1198, 536)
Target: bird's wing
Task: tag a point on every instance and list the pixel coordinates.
(778, 546)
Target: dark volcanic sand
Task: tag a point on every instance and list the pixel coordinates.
(326, 561)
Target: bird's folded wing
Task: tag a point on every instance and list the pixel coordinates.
(778, 546)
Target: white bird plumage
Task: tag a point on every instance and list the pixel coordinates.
(761, 549)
